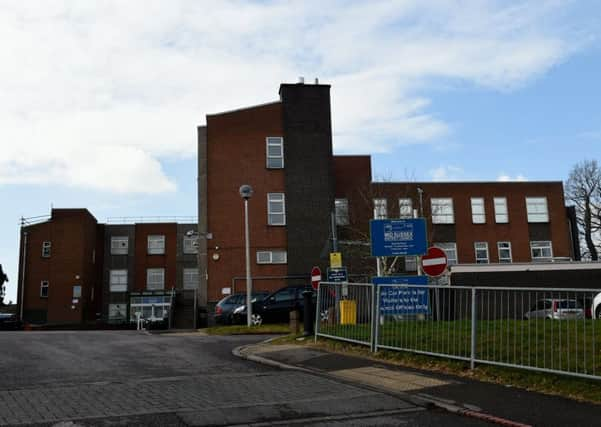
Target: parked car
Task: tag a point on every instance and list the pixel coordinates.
(559, 309)
(227, 305)
(9, 321)
(596, 306)
(276, 307)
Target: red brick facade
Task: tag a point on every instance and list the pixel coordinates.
(236, 156)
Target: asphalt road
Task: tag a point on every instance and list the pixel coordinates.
(103, 378)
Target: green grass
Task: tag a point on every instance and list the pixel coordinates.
(573, 346)
(243, 329)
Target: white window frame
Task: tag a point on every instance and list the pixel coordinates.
(478, 210)
(380, 208)
(154, 306)
(274, 141)
(500, 249)
(119, 245)
(442, 210)
(276, 217)
(410, 263)
(405, 207)
(190, 244)
(190, 278)
(267, 257)
(541, 245)
(118, 280)
(44, 284)
(155, 285)
(450, 249)
(156, 244)
(479, 247)
(501, 211)
(46, 249)
(341, 211)
(537, 209)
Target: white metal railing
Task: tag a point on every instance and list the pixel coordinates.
(541, 329)
(151, 219)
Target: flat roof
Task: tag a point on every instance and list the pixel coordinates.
(526, 266)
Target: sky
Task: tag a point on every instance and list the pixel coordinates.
(100, 100)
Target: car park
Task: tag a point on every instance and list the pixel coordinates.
(226, 306)
(555, 308)
(276, 307)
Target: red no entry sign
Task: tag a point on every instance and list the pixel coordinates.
(434, 262)
(315, 277)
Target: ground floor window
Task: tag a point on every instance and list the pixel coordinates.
(117, 313)
(541, 251)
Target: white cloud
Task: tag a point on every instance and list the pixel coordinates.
(96, 94)
(503, 177)
(447, 173)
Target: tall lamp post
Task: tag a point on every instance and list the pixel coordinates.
(246, 192)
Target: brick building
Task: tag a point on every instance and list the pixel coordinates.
(74, 270)
(283, 150)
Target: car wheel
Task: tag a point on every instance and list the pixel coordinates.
(323, 316)
(598, 313)
(256, 319)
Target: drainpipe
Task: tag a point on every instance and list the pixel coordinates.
(23, 274)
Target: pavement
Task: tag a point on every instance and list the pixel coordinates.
(471, 399)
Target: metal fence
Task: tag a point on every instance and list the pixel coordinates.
(549, 330)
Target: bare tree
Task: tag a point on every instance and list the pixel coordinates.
(583, 188)
(3, 279)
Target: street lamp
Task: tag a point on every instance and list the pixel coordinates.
(246, 191)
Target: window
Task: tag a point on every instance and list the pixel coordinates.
(275, 152)
(190, 278)
(271, 257)
(76, 291)
(156, 245)
(504, 249)
(117, 313)
(285, 295)
(501, 214)
(481, 249)
(155, 279)
(46, 249)
(276, 209)
(442, 211)
(541, 251)
(341, 209)
(118, 280)
(410, 263)
(190, 244)
(44, 289)
(536, 208)
(405, 208)
(380, 209)
(478, 213)
(450, 248)
(119, 245)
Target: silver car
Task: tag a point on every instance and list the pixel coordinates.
(552, 308)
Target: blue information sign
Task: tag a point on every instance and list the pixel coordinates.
(337, 275)
(397, 300)
(398, 237)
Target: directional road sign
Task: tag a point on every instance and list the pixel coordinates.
(434, 262)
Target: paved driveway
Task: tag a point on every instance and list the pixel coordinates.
(129, 378)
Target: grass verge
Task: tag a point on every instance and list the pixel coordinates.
(559, 385)
(245, 330)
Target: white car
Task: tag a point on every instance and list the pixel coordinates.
(596, 307)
